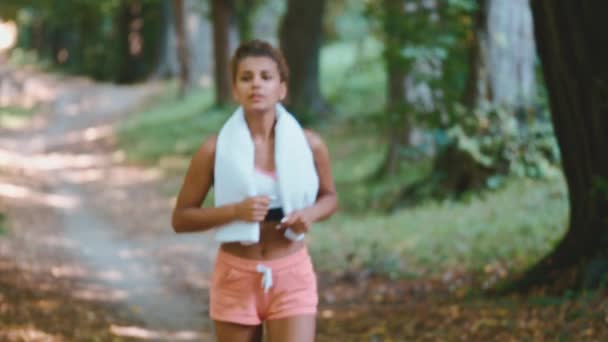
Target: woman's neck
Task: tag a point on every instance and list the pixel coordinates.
(261, 124)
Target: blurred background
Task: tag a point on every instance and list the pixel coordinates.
(438, 123)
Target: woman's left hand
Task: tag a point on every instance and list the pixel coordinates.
(298, 221)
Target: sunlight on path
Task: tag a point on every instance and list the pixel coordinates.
(161, 277)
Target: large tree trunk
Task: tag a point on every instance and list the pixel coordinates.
(511, 52)
(183, 53)
(300, 39)
(573, 48)
(501, 73)
(398, 112)
(223, 15)
(198, 33)
(502, 55)
(163, 66)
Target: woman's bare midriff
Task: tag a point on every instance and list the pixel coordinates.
(273, 244)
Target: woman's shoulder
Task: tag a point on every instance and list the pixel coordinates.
(314, 139)
(316, 143)
(207, 148)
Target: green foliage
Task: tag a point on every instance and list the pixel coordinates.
(92, 37)
(430, 44)
(171, 127)
(353, 78)
(431, 239)
(520, 143)
(15, 117)
(346, 21)
(2, 224)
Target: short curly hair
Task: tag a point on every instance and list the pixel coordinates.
(258, 48)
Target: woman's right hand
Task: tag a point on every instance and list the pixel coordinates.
(252, 209)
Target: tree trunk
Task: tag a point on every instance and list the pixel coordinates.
(163, 66)
(501, 72)
(573, 47)
(183, 53)
(502, 55)
(476, 88)
(398, 117)
(223, 15)
(398, 111)
(300, 37)
(198, 33)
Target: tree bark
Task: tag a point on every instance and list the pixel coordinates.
(300, 37)
(398, 116)
(183, 53)
(163, 66)
(501, 73)
(398, 111)
(223, 14)
(502, 56)
(573, 48)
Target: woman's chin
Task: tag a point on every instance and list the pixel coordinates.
(258, 107)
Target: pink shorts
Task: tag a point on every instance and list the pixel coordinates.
(247, 291)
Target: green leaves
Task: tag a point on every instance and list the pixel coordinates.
(507, 141)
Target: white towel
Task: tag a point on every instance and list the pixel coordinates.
(234, 167)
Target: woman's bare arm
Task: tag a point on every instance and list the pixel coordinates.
(188, 216)
(327, 199)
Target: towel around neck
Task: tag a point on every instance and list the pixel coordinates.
(234, 167)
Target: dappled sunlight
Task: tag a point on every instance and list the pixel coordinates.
(27, 334)
(69, 271)
(100, 294)
(147, 334)
(89, 134)
(50, 162)
(8, 35)
(132, 253)
(61, 161)
(24, 90)
(111, 275)
(85, 176)
(33, 196)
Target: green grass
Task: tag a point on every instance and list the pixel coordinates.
(171, 128)
(2, 224)
(15, 117)
(513, 226)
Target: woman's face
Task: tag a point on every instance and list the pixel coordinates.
(258, 85)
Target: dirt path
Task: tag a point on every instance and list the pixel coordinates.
(78, 211)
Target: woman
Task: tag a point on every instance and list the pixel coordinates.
(263, 273)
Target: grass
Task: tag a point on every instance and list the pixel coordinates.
(12, 117)
(511, 227)
(171, 128)
(2, 224)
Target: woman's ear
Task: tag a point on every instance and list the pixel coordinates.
(283, 91)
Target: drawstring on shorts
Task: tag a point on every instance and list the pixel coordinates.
(267, 276)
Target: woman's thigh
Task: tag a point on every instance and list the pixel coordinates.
(293, 329)
(231, 332)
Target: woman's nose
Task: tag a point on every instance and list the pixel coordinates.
(256, 81)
